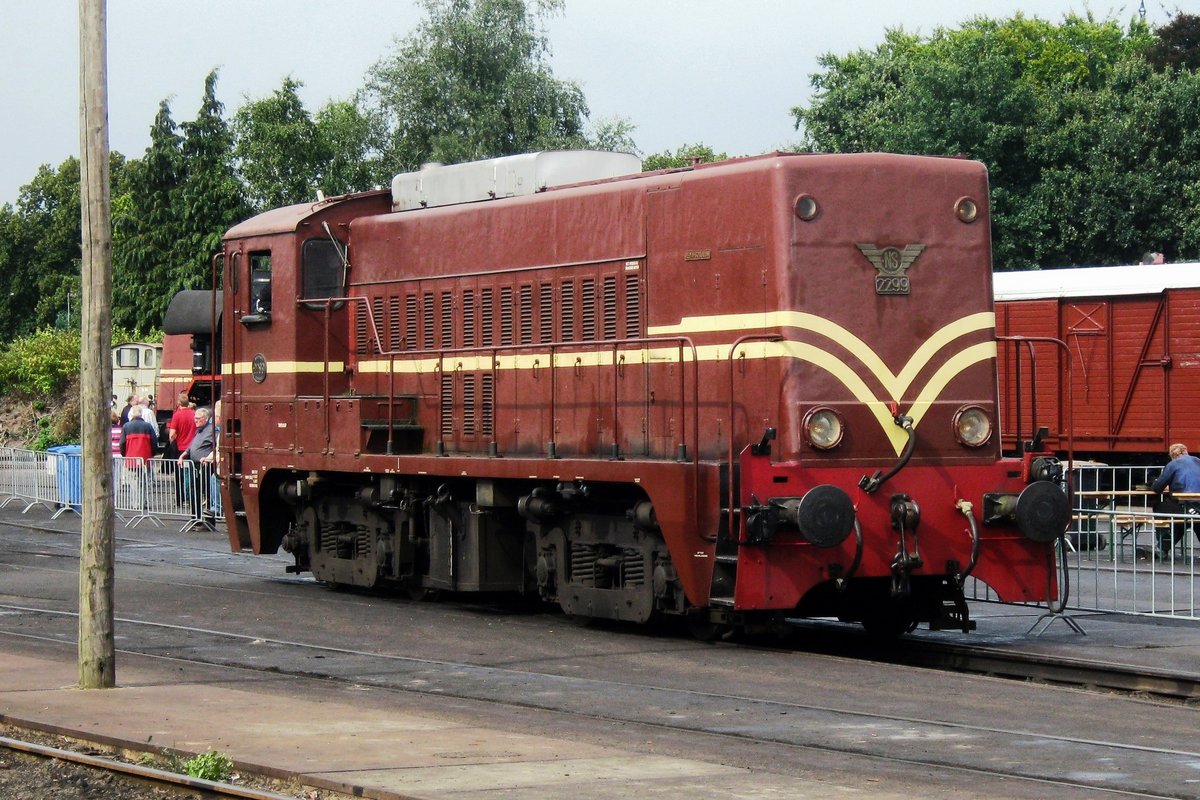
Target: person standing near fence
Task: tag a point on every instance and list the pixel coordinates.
(133, 402)
(180, 431)
(148, 416)
(137, 446)
(199, 454)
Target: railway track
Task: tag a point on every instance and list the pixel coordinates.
(145, 777)
(730, 719)
(671, 709)
(842, 640)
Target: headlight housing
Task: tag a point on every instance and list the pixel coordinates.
(823, 428)
(972, 426)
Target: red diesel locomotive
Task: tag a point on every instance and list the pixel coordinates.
(739, 391)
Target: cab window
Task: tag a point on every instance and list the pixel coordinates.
(260, 288)
(323, 271)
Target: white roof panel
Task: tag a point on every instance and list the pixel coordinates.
(508, 176)
(1045, 284)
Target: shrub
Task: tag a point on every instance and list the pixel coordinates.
(210, 766)
(39, 365)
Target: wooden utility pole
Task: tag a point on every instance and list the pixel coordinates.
(97, 651)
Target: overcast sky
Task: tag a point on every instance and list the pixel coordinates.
(721, 72)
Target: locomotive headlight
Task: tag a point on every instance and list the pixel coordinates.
(972, 426)
(823, 428)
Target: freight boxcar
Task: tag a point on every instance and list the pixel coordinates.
(1133, 335)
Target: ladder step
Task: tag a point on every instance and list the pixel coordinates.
(724, 602)
(726, 559)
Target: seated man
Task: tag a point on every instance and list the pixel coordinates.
(1180, 476)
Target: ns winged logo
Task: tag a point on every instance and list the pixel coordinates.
(892, 263)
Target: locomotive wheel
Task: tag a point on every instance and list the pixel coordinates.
(421, 594)
(890, 622)
(703, 629)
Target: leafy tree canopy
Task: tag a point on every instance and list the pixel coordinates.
(1177, 44)
(473, 81)
(1090, 152)
(684, 156)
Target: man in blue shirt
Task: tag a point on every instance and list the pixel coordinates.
(1182, 474)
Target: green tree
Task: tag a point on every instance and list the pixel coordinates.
(211, 199)
(1084, 147)
(352, 163)
(473, 81)
(146, 228)
(46, 278)
(684, 156)
(279, 151)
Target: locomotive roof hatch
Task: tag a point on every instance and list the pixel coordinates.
(1042, 284)
(508, 176)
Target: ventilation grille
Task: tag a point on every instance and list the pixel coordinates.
(447, 405)
(633, 316)
(526, 315)
(546, 315)
(394, 326)
(566, 310)
(361, 326)
(487, 397)
(610, 307)
(410, 322)
(447, 320)
(468, 424)
(506, 317)
(377, 311)
(587, 291)
(486, 315)
(468, 318)
(427, 322)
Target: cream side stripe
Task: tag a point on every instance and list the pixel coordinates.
(284, 367)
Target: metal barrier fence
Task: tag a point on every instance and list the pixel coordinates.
(1130, 550)
(1126, 551)
(152, 490)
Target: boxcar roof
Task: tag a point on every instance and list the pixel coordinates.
(1047, 284)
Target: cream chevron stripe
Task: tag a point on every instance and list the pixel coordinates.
(896, 384)
(879, 408)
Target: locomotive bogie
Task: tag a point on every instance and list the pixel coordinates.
(595, 550)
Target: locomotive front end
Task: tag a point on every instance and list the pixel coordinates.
(878, 486)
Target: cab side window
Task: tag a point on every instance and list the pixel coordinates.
(260, 288)
(323, 271)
